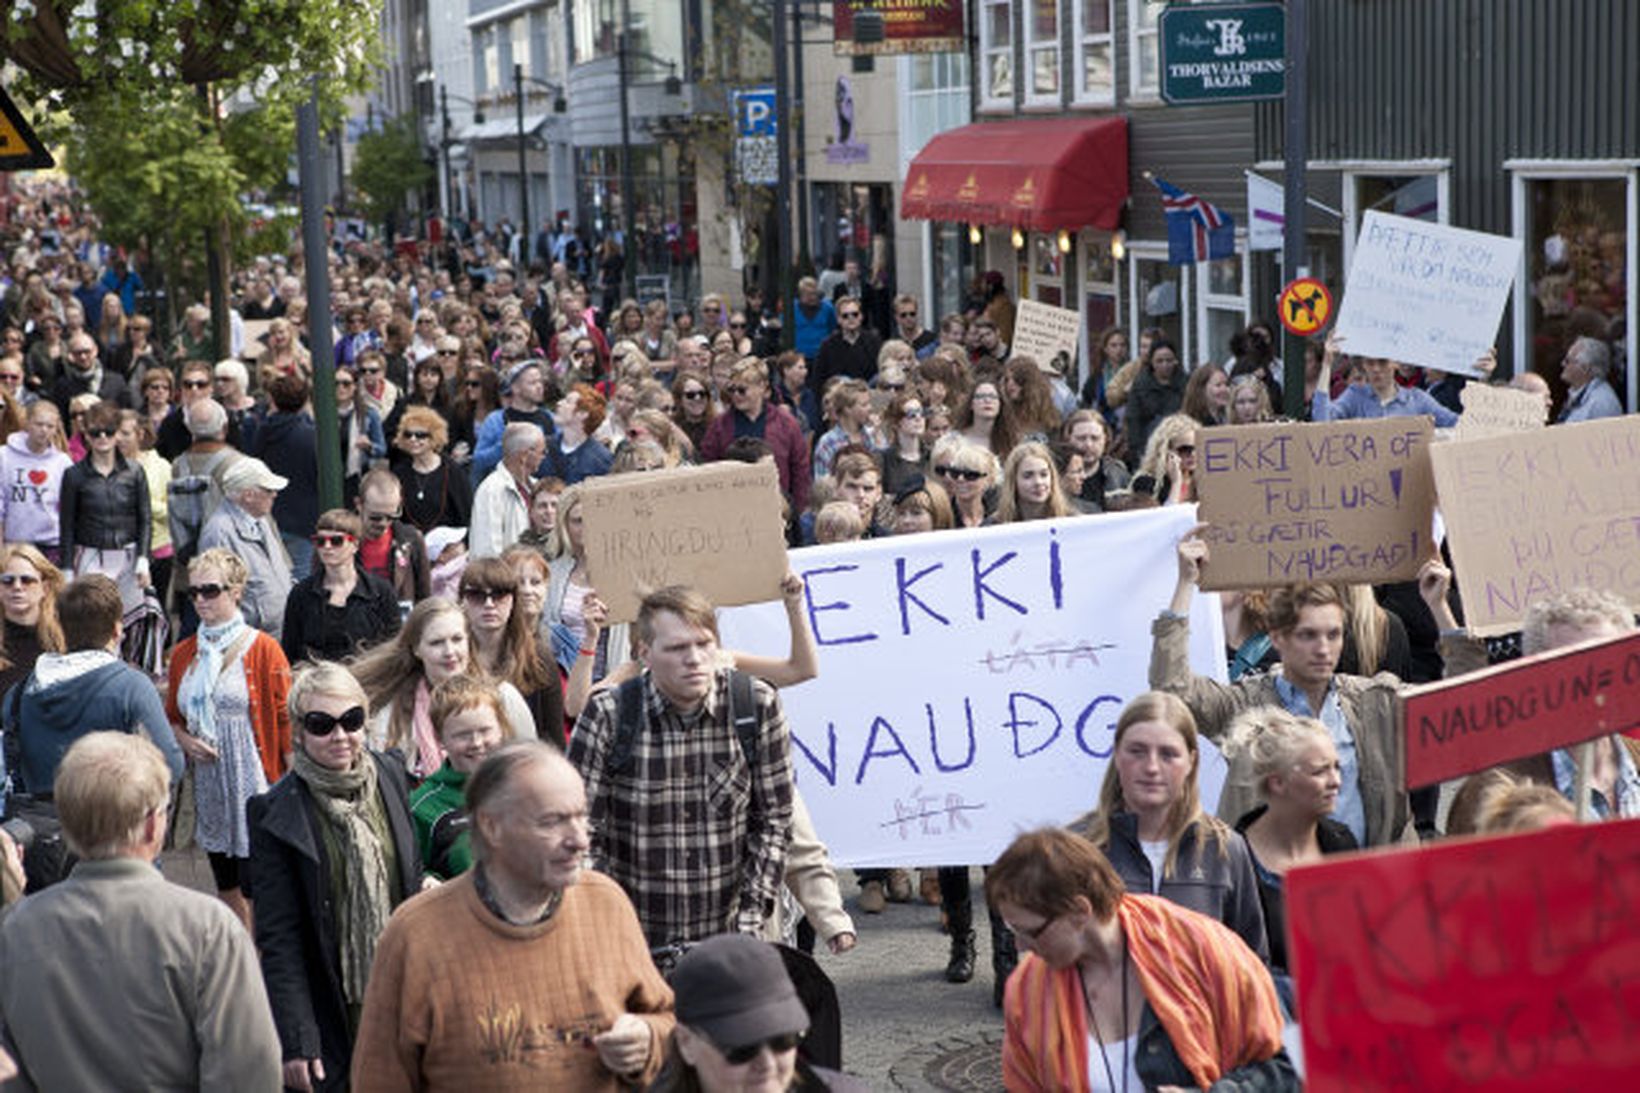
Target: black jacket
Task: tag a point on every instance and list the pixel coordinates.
(840, 357)
(1222, 887)
(289, 445)
(370, 615)
(1334, 838)
(70, 384)
(295, 924)
(104, 511)
(1150, 401)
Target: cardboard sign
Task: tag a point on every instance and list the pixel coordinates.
(1334, 501)
(1537, 513)
(1509, 965)
(1043, 332)
(1424, 293)
(717, 528)
(1499, 411)
(970, 684)
(1522, 708)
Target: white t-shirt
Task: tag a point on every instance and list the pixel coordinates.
(1157, 853)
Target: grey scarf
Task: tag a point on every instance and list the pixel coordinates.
(344, 798)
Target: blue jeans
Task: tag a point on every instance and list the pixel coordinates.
(300, 549)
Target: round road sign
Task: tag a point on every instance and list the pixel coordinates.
(1305, 306)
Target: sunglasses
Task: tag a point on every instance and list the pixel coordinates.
(11, 377)
(150, 387)
(959, 472)
(740, 1056)
(908, 314)
(1185, 449)
(101, 432)
(737, 389)
(414, 434)
(891, 386)
(332, 539)
(9, 579)
(848, 314)
(1031, 935)
(207, 591)
(737, 326)
(366, 371)
(340, 382)
(486, 596)
(911, 411)
(319, 723)
(449, 352)
(694, 396)
(195, 385)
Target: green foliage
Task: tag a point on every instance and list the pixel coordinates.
(387, 166)
(154, 163)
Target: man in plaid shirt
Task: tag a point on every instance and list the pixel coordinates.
(693, 824)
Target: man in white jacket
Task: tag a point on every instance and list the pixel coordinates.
(501, 505)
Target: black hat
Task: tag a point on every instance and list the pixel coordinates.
(734, 989)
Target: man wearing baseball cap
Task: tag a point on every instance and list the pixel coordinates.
(740, 1022)
(243, 524)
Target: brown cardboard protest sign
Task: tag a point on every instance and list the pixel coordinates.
(1042, 332)
(1534, 514)
(1499, 411)
(1510, 965)
(1332, 501)
(717, 528)
(1521, 708)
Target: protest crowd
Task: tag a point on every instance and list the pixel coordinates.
(469, 830)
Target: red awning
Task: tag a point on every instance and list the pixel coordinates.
(1041, 174)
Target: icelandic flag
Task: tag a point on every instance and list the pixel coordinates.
(1197, 230)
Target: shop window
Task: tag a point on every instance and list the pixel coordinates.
(1099, 297)
(1224, 306)
(1577, 271)
(1160, 296)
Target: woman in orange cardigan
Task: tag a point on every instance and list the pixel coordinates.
(227, 703)
(1125, 992)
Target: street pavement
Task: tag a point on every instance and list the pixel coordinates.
(904, 1026)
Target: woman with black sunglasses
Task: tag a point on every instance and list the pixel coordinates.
(334, 852)
(105, 510)
(339, 608)
(226, 702)
(504, 644)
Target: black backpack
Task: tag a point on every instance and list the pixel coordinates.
(629, 720)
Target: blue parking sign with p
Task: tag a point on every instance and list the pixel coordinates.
(754, 112)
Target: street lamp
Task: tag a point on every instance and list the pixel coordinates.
(559, 105)
(672, 86)
(444, 98)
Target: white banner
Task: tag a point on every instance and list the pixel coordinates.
(1266, 213)
(970, 681)
(1424, 293)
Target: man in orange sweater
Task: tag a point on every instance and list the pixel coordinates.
(524, 973)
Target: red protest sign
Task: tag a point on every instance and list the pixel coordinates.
(1525, 707)
(1508, 964)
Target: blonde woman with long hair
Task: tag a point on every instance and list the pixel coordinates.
(1151, 826)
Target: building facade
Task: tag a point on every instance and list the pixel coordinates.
(1515, 117)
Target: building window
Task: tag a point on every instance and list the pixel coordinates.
(934, 99)
(1144, 49)
(1578, 233)
(996, 43)
(1160, 296)
(1095, 65)
(1100, 298)
(489, 63)
(1223, 305)
(1042, 51)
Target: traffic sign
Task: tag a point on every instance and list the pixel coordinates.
(20, 149)
(1221, 53)
(754, 112)
(1305, 306)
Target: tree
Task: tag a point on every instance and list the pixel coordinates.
(141, 80)
(387, 166)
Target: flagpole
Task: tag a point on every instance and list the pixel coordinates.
(1295, 153)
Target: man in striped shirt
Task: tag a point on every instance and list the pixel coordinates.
(691, 813)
